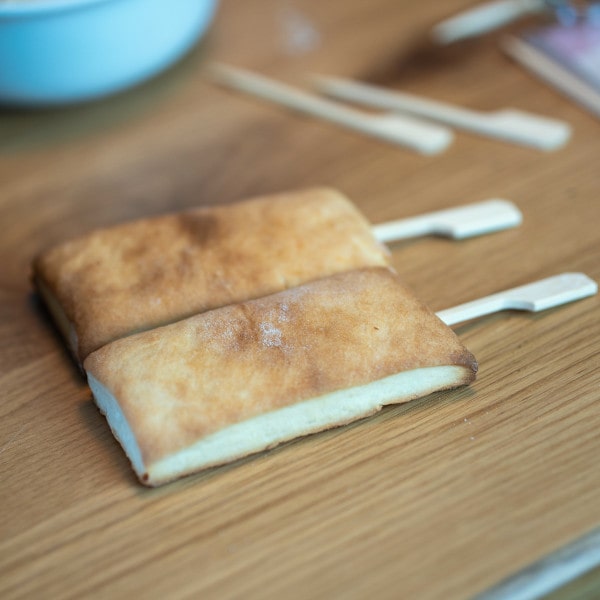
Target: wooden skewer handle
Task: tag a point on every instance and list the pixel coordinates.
(484, 18)
(540, 295)
(426, 138)
(458, 223)
(509, 124)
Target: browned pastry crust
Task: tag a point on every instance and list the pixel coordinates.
(133, 277)
(180, 383)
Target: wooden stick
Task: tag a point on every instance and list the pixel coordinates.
(509, 124)
(409, 132)
(457, 223)
(540, 295)
(484, 18)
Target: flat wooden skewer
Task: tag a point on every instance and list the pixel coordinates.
(409, 132)
(533, 297)
(484, 18)
(456, 223)
(510, 125)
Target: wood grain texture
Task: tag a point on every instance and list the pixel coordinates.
(440, 498)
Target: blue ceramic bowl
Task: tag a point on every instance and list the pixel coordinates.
(55, 52)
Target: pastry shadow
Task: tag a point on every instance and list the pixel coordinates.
(38, 306)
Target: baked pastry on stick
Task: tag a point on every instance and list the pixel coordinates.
(140, 275)
(245, 377)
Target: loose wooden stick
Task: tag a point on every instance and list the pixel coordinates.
(426, 138)
(483, 18)
(457, 223)
(540, 295)
(509, 124)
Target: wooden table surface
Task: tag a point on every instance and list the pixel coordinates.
(439, 498)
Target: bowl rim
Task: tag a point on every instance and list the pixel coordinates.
(17, 8)
(26, 8)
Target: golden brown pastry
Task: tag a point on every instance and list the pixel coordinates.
(239, 379)
(133, 277)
